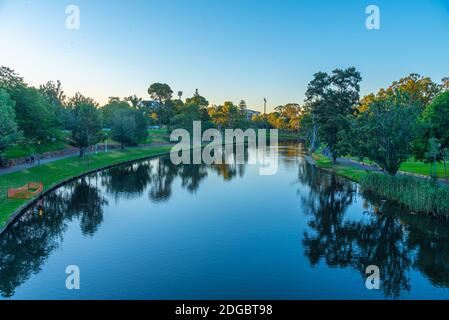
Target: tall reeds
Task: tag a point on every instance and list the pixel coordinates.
(421, 196)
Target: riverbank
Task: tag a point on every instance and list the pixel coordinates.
(60, 171)
(418, 193)
(352, 173)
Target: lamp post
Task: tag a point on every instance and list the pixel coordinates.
(38, 153)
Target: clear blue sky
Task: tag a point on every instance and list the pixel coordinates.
(228, 49)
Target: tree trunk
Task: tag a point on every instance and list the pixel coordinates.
(82, 152)
(445, 173)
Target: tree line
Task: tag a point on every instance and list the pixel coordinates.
(36, 116)
(408, 119)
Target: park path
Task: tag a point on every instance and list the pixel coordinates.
(374, 168)
(24, 166)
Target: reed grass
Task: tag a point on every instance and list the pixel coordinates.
(420, 196)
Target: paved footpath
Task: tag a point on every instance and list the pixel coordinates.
(25, 166)
(364, 166)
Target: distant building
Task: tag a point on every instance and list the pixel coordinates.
(251, 113)
(148, 104)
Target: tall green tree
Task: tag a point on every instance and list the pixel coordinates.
(54, 94)
(10, 80)
(128, 127)
(198, 100)
(389, 127)
(35, 115)
(418, 88)
(290, 114)
(162, 93)
(9, 132)
(85, 122)
(202, 103)
(437, 115)
(331, 98)
(111, 108)
(432, 156)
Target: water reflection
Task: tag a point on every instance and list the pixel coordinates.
(388, 236)
(29, 242)
(385, 234)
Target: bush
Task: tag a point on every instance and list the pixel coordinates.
(423, 196)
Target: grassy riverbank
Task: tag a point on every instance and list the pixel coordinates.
(419, 195)
(55, 172)
(351, 173)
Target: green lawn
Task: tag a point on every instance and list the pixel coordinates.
(413, 166)
(423, 168)
(158, 136)
(25, 150)
(351, 173)
(57, 171)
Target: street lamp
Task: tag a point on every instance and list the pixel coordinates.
(38, 153)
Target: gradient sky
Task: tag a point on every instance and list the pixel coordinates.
(228, 49)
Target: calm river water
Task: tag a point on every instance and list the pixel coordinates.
(153, 230)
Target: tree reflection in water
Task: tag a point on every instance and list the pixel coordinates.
(387, 235)
(26, 245)
(390, 237)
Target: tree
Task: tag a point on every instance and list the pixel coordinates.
(9, 132)
(352, 139)
(111, 108)
(437, 115)
(55, 96)
(162, 93)
(9, 80)
(135, 102)
(231, 113)
(53, 93)
(198, 100)
(432, 156)
(242, 108)
(85, 122)
(185, 115)
(202, 103)
(389, 127)
(418, 88)
(35, 116)
(332, 97)
(445, 84)
(290, 113)
(128, 126)
(308, 129)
